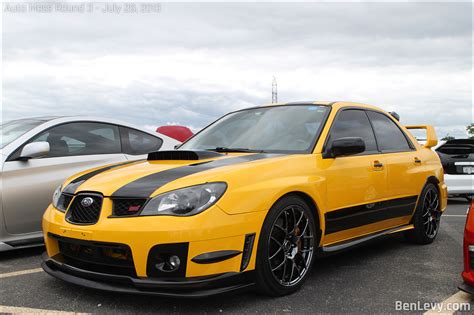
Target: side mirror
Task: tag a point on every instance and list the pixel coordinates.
(345, 146)
(34, 150)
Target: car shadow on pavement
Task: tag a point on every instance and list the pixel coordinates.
(22, 253)
(458, 201)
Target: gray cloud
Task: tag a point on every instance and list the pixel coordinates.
(194, 62)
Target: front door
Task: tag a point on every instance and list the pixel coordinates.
(356, 184)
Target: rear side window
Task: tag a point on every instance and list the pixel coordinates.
(354, 123)
(82, 138)
(137, 143)
(389, 137)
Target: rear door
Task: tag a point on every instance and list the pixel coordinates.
(28, 185)
(354, 183)
(404, 165)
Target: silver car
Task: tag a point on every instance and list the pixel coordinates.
(38, 154)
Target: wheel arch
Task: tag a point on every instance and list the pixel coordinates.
(435, 181)
(432, 179)
(311, 203)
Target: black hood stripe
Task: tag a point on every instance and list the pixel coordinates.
(75, 183)
(145, 186)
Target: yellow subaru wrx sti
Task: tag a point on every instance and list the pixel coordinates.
(248, 201)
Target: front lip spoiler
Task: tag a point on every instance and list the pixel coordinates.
(199, 288)
(466, 288)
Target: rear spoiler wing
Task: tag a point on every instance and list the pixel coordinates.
(431, 138)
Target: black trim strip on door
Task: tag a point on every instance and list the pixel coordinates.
(145, 186)
(352, 217)
(75, 183)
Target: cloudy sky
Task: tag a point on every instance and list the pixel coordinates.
(191, 63)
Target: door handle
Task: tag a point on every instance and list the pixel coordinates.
(378, 164)
(417, 160)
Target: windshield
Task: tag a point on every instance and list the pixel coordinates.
(274, 128)
(11, 130)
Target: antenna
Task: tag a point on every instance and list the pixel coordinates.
(274, 91)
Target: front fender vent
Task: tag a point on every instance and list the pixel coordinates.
(247, 252)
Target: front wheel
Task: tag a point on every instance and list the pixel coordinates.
(286, 247)
(427, 217)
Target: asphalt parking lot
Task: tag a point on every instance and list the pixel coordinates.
(368, 279)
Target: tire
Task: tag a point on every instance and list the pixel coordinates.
(286, 247)
(427, 217)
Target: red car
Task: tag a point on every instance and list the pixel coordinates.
(180, 133)
(468, 273)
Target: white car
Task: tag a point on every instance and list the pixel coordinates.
(457, 157)
(38, 154)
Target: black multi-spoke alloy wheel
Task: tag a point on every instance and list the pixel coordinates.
(427, 216)
(286, 247)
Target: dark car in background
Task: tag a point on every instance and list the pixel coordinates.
(457, 157)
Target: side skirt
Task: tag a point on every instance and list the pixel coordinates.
(357, 241)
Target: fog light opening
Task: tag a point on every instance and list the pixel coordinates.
(167, 263)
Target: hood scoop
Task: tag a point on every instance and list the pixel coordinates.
(182, 155)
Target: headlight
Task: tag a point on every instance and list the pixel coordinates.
(186, 201)
(57, 199)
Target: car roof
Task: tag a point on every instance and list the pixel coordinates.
(63, 119)
(334, 104)
(460, 141)
(39, 118)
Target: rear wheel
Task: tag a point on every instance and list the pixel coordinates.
(427, 217)
(286, 247)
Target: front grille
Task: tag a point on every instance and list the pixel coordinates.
(64, 201)
(110, 258)
(82, 212)
(126, 207)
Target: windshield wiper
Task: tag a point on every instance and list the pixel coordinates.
(224, 149)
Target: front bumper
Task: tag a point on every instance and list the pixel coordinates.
(191, 288)
(459, 184)
(216, 252)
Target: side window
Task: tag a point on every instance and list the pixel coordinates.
(389, 136)
(354, 123)
(137, 143)
(82, 138)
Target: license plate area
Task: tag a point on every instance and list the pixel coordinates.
(468, 170)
